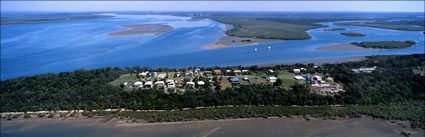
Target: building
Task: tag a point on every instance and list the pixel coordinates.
(318, 78)
(245, 78)
(125, 83)
(327, 88)
(170, 83)
(238, 71)
(299, 77)
(159, 83)
(228, 71)
(148, 84)
(297, 71)
(138, 84)
(190, 84)
(179, 83)
(365, 70)
(144, 74)
(272, 79)
(197, 70)
(217, 71)
(244, 71)
(153, 74)
(201, 83)
(162, 76)
(234, 80)
(270, 71)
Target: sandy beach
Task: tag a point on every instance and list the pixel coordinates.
(230, 41)
(135, 29)
(346, 46)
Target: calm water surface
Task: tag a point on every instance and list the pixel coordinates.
(29, 49)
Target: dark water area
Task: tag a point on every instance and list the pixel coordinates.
(272, 127)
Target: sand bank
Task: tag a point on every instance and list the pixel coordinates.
(143, 29)
(230, 41)
(343, 47)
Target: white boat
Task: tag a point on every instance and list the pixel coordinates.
(255, 49)
(270, 47)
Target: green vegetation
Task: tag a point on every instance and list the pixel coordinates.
(385, 44)
(285, 26)
(408, 25)
(46, 18)
(353, 34)
(26, 115)
(392, 91)
(333, 29)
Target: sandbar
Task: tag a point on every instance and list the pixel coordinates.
(343, 47)
(230, 41)
(136, 29)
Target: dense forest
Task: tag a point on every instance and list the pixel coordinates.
(395, 80)
(385, 44)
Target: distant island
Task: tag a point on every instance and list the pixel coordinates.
(406, 25)
(143, 29)
(333, 29)
(385, 44)
(353, 34)
(47, 18)
(370, 45)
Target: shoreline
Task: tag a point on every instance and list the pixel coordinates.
(232, 41)
(333, 60)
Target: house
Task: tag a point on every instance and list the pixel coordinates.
(170, 84)
(315, 67)
(160, 83)
(297, 71)
(327, 88)
(125, 83)
(197, 70)
(318, 78)
(148, 84)
(271, 79)
(270, 71)
(179, 73)
(144, 74)
(299, 77)
(201, 83)
(245, 78)
(179, 83)
(234, 80)
(207, 72)
(217, 71)
(365, 70)
(228, 71)
(162, 76)
(153, 74)
(303, 69)
(190, 84)
(237, 71)
(138, 84)
(189, 72)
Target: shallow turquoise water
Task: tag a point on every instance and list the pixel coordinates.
(29, 49)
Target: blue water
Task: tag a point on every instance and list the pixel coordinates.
(29, 49)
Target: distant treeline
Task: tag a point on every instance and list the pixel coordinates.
(393, 81)
(385, 44)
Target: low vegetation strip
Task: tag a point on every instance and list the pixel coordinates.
(406, 25)
(353, 34)
(385, 44)
(333, 29)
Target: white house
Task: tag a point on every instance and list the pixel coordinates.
(271, 79)
(297, 70)
(162, 75)
(299, 77)
(148, 84)
(138, 84)
(125, 83)
(190, 84)
(170, 83)
(159, 83)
